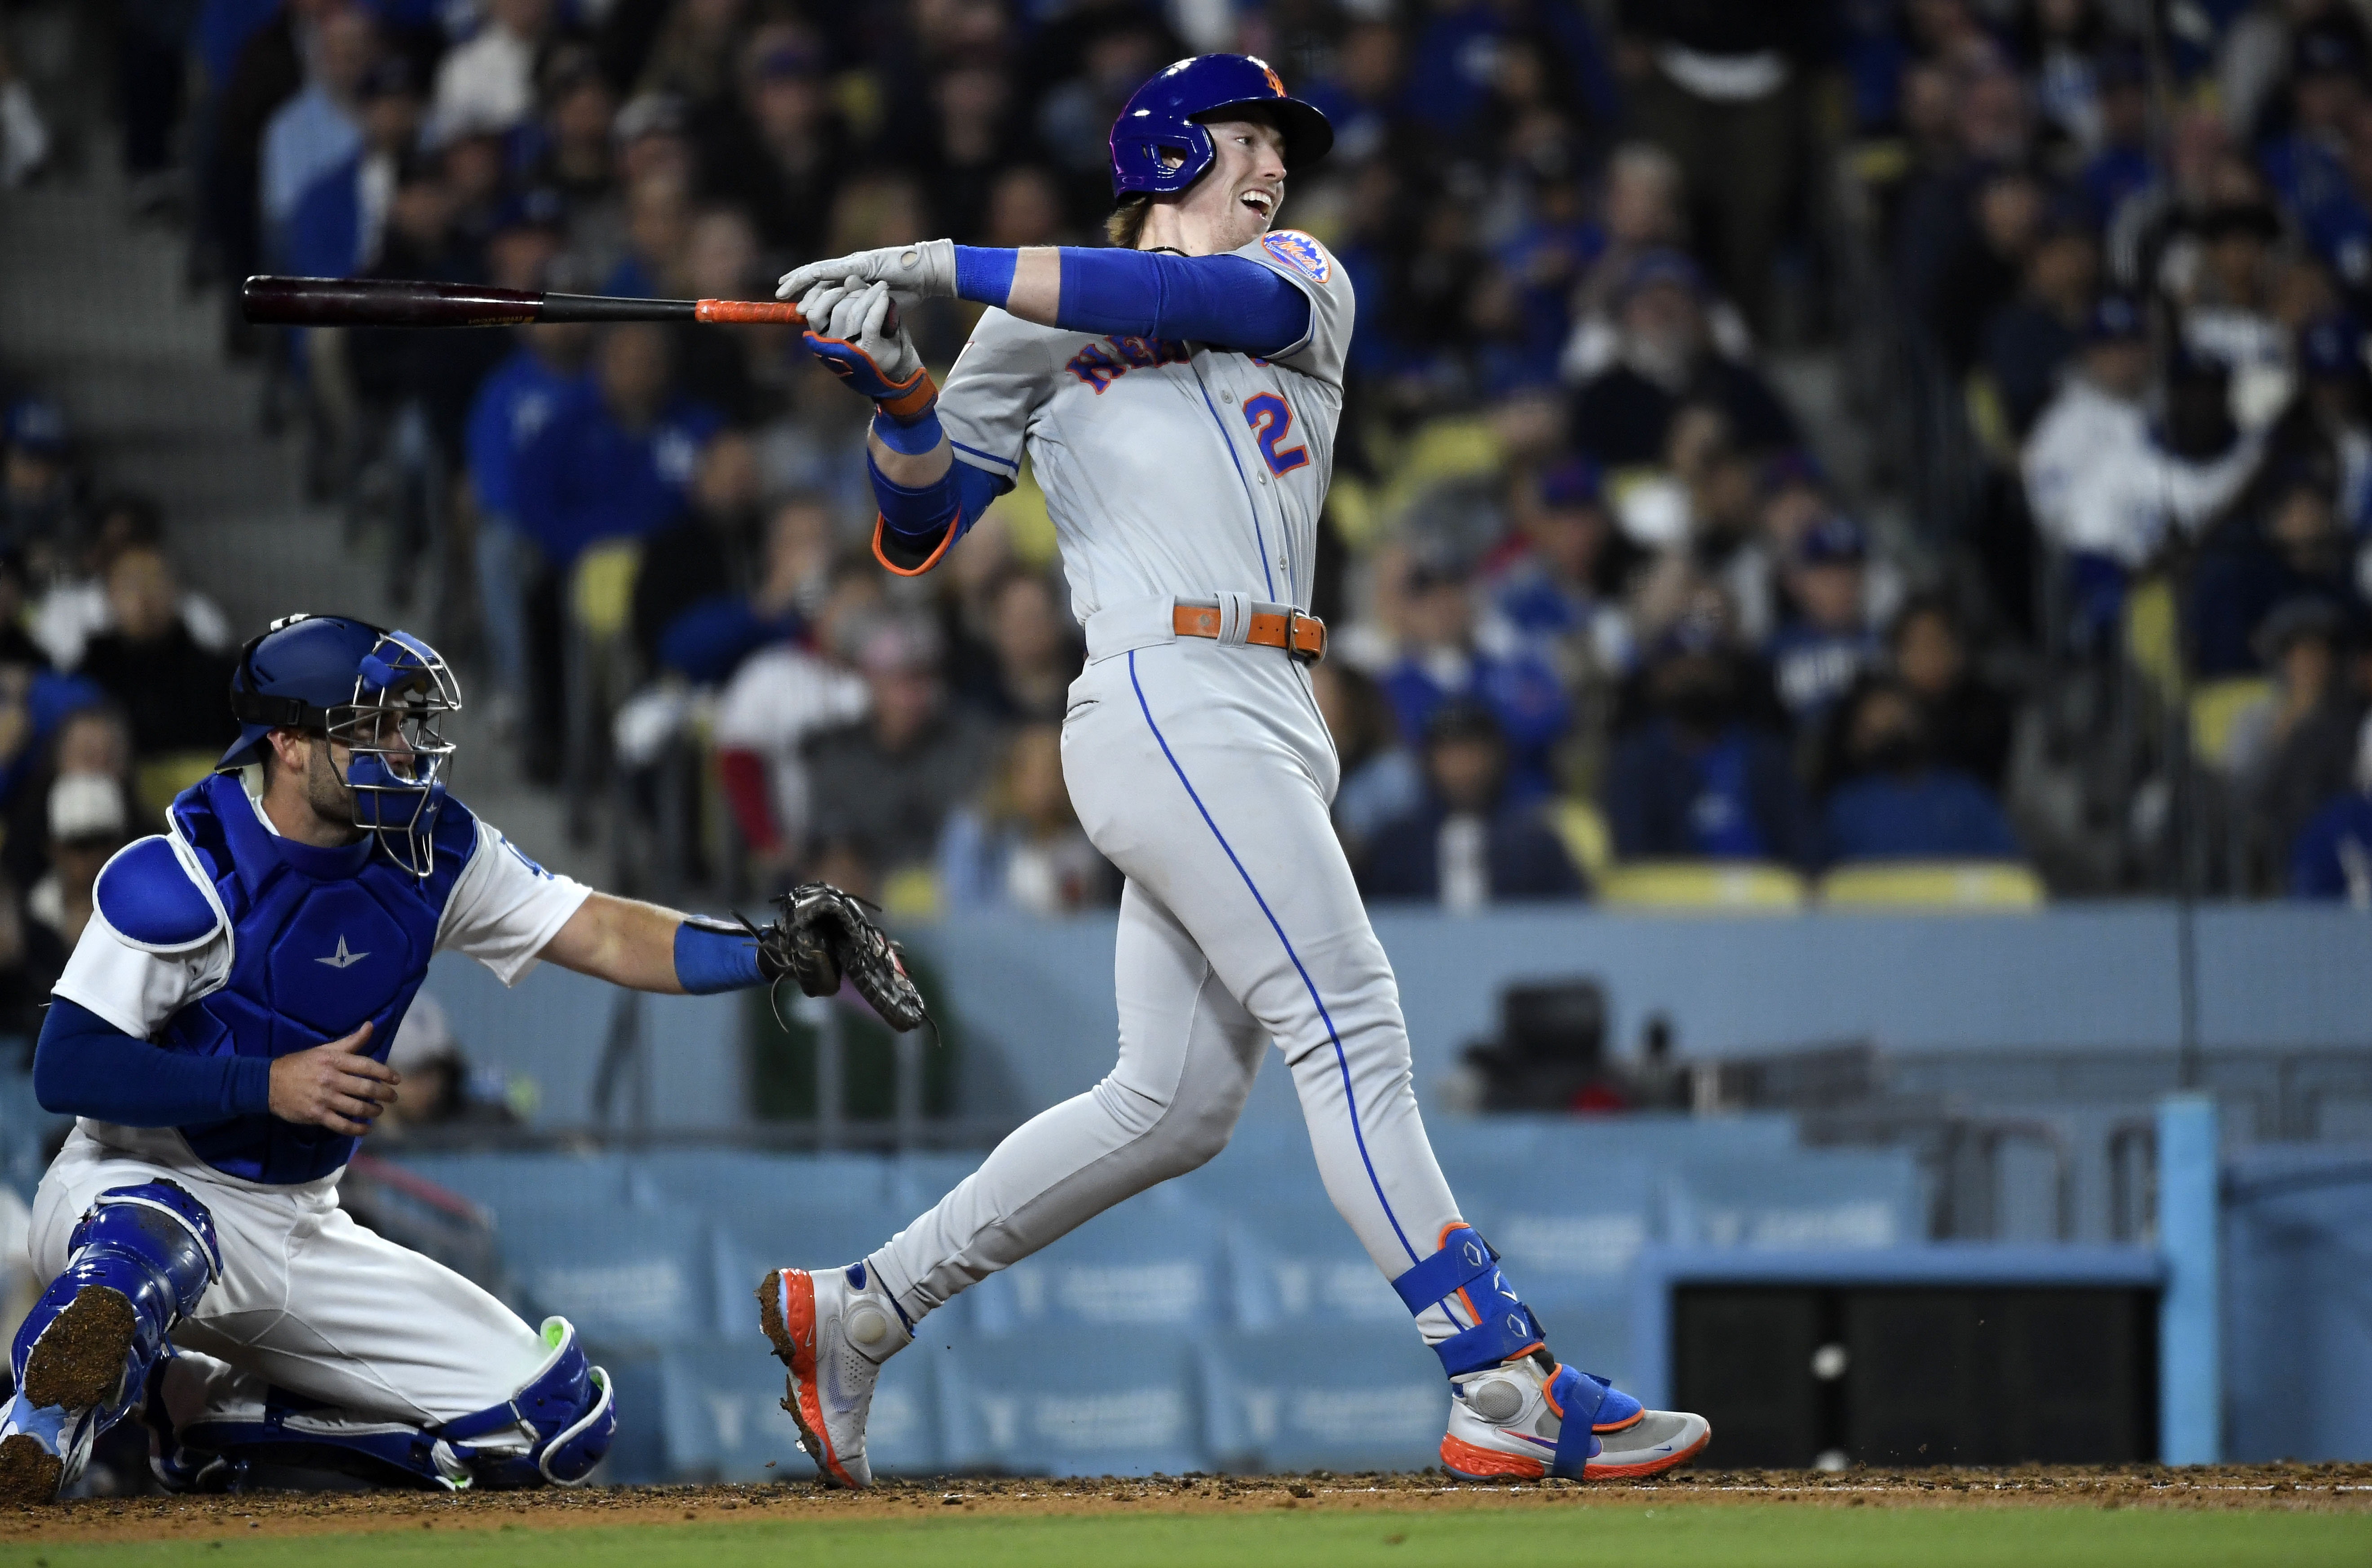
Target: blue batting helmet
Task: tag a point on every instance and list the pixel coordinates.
(1163, 117)
(376, 692)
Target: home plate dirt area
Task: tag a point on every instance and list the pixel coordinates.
(2324, 1487)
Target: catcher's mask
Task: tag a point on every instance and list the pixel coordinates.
(378, 693)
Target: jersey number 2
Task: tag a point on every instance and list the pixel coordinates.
(1271, 418)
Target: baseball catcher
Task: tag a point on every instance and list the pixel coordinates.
(221, 1033)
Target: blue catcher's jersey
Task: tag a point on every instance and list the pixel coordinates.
(321, 940)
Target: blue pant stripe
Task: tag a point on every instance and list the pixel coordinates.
(1341, 1061)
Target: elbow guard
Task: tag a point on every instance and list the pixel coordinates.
(917, 525)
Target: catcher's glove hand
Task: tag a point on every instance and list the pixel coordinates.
(821, 933)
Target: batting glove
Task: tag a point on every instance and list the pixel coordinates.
(926, 270)
(859, 344)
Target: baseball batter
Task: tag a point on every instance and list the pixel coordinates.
(1178, 396)
(221, 1033)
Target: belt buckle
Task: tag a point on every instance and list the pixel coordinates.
(1293, 620)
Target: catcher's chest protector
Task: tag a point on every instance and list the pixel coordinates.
(323, 940)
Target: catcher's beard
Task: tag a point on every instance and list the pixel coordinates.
(326, 789)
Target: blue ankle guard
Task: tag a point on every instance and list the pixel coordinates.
(1503, 1329)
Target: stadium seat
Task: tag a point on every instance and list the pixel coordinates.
(1818, 1198)
(1087, 1401)
(160, 778)
(2213, 708)
(1155, 1262)
(1581, 827)
(625, 1276)
(1743, 887)
(2006, 886)
(721, 1418)
(1324, 1397)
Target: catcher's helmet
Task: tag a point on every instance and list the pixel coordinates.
(377, 692)
(1163, 115)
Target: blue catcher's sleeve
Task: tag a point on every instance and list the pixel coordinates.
(917, 526)
(713, 958)
(1213, 299)
(86, 1067)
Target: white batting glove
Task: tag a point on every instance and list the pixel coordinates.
(925, 270)
(858, 344)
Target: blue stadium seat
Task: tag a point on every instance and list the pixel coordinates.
(1154, 1262)
(625, 1276)
(1365, 1398)
(1294, 1261)
(1088, 1401)
(1813, 1198)
(720, 1411)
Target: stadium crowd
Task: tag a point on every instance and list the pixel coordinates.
(1602, 592)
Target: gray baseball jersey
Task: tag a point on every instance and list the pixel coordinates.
(1168, 467)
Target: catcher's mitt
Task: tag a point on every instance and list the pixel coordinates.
(821, 933)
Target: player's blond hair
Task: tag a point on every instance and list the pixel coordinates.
(1126, 224)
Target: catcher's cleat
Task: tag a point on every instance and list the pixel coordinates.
(1531, 1418)
(74, 1374)
(834, 1330)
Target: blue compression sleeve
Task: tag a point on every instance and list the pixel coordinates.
(86, 1067)
(1213, 299)
(959, 496)
(707, 960)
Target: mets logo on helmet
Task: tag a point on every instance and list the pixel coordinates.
(1300, 252)
(1276, 82)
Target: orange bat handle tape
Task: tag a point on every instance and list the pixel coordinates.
(748, 312)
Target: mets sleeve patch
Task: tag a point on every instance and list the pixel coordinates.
(1300, 252)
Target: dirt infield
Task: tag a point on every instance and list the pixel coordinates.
(2286, 1488)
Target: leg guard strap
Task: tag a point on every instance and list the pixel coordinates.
(1468, 1269)
(568, 1409)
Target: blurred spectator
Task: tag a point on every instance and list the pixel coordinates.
(513, 406)
(1564, 588)
(707, 555)
(335, 226)
(1968, 720)
(2224, 276)
(2328, 424)
(2332, 856)
(1696, 778)
(89, 741)
(1380, 778)
(780, 697)
(2030, 340)
(1034, 647)
(168, 686)
(488, 84)
(1723, 88)
(714, 363)
(2294, 748)
(692, 57)
(1472, 842)
(88, 823)
(439, 1089)
(317, 130)
(882, 788)
(775, 149)
(1981, 272)
(761, 602)
(1896, 804)
(37, 488)
(2290, 548)
(1441, 659)
(1823, 647)
(24, 135)
(1019, 846)
(2098, 408)
(1623, 417)
(1641, 211)
(76, 608)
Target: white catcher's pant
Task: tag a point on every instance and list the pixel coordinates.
(308, 1300)
(1204, 772)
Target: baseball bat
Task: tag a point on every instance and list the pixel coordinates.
(397, 302)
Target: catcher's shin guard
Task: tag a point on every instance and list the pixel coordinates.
(1515, 1412)
(556, 1429)
(137, 1264)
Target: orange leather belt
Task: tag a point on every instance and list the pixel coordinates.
(1303, 637)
